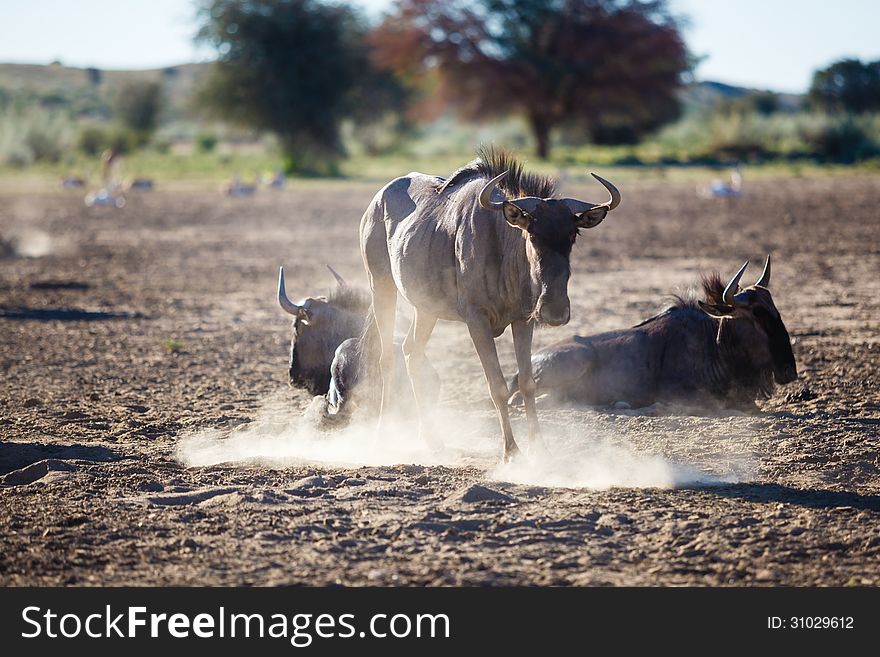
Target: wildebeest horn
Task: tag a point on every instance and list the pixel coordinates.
(614, 201)
(286, 303)
(486, 201)
(764, 281)
(579, 207)
(730, 290)
(339, 280)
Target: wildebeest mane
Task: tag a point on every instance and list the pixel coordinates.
(492, 161)
(713, 293)
(349, 298)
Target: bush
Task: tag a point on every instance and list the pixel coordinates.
(125, 140)
(32, 134)
(92, 140)
(206, 142)
(845, 139)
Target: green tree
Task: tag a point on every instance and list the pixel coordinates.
(847, 86)
(297, 68)
(611, 68)
(137, 106)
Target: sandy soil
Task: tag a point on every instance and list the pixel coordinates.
(94, 407)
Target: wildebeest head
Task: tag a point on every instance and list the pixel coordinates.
(320, 324)
(753, 319)
(551, 227)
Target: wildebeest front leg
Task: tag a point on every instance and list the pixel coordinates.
(522, 344)
(414, 354)
(481, 335)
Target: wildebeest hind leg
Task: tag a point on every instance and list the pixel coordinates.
(484, 343)
(385, 307)
(414, 354)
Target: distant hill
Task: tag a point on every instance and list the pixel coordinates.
(707, 93)
(86, 90)
(89, 92)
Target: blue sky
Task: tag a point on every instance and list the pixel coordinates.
(773, 44)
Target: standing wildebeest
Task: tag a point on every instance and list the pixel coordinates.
(330, 344)
(456, 254)
(724, 351)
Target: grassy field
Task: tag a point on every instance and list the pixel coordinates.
(204, 171)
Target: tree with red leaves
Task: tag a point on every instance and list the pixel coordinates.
(609, 67)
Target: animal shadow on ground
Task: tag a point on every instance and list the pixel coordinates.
(15, 455)
(60, 314)
(811, 498)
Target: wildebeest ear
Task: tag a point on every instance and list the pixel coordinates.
(716, 310)
(591, 218)
(516, 217)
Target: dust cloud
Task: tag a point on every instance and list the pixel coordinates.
(578, 456)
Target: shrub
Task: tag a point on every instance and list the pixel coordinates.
(845, 139)
(32, 134)
(206, 142)
(92, 140)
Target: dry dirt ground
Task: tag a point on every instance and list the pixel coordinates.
(124, 333)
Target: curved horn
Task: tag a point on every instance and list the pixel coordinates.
(579, 207)
(614, 201)
(339, 280)
(730, 290)
(286, 303)
(486, 201)
(764, 281)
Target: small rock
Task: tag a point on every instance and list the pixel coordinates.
(33, 402)
(622, 406)
(477, 493)
(316, 481)
(36, 471)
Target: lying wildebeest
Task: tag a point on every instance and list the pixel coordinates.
(331, 337)
(722, 352)
(456, 253)
(319, 326)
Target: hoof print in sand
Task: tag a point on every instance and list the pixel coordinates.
(189, 497)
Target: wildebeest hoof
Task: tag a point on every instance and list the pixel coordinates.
(511, 453)
(538, 450)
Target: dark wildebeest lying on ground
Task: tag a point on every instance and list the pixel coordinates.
(331, 337)
(463, 250)
(723, 352)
